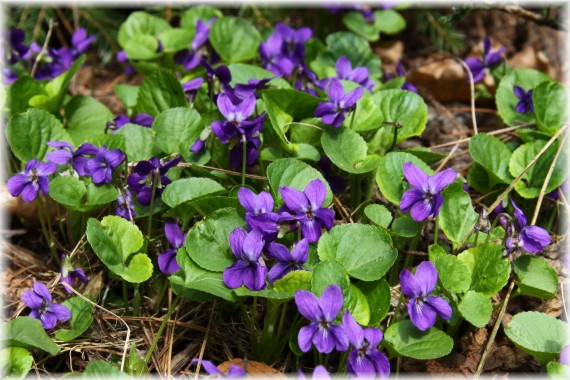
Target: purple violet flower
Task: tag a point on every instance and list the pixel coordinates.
(191, 58)
(307, 208)
(100, 168)
(322, 332)
(294, 41)
(423, 308)
(212, 370)
(122, 58)
(80, 42)
(401, 73)
(307, 81)
(253, 85)
(319, 373)
(17, 49)
(289, 261)
(259, 209)
(525, 103)
(191, 88)
(272, 57)
(359, 74)
(142, 119)
(565, 355)
(64, 154)
(236, 111)
(251, 152)
(250, 269)
(167, 260)
(145, 173)
(34, 178)
(333, 112)
(48, 313)
(424, 198)
(124, 205)
(532, 239)
(478, 66)
(69, 273)
(365, 359)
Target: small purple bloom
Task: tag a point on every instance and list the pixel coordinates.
(48, 313)
(253, 85)
(80, 42)
(64, 154)
(478, 66)
(565, 355)
(190, 58)
(307, 208)
(250, 269)
(525, 103)
(69, 274)
(294, 41)
(124, 205)
(167, 260)
(80, 157)
(8, 76)
(423, 308)
(532, 239)
(289, 261)
(322, 332)
(122, 58)
(17, 49)
(191, 88)
(273, 58)
(333, 112)
(307, 81)
(236, 111)
(144, 175)
(402, 73)
(258, 210)
(319, 373)
(142, 119)
(212, 370)
(100, 168)
(359, 74)
(251, 152)
(32, 180)
(424, 198)
(365, 359)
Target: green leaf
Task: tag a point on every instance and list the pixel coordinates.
(208, 241)
(389, 21)
(377, 295)
(81, 319)
(234, 39)
(435, 251)
(28, 333)
(283, 289)
(556, 370)
(194, 278)
(405, 108)
(390, 174)
(354, 47)
(367, 115)
(493, 155)
(72, 192)
(296, 174)
(56, 89)
(426, 155)
(139, 142)
(115, 240)
(507, 100)
(536, 277)
(135, 365)
(479, 179)
(141, 23)
(348, 150)
(356, 23)
(329, 272)
(15, 362)
(358, 306)
(159, 92)
(127, 94)
(531, 182)
(405, 226)
(28, 133)
(242, 73)
(453, 273)
(407, 340)
(476, 308)
(190, 17)
(538, 334)
(101, 369)
(21, 91)
(86, 117)
(456, 215)
(368, 260)
(490, 271)
(188, 189)
(175, 39)
(111, 141)
(207, 205)
(298, 104)
(379, 215)
(550, 100)
(278, 119)
(142, 47)
(184, 123)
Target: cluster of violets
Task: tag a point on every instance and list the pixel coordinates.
(301, 210)
(53, 62)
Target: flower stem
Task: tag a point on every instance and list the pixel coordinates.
(125, 297)
(151, 207)
(244, 160)
(47, 236)
(137, 301)
(436, 231)
(352, 117)
(161, 328)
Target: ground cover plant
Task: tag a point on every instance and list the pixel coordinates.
(265, 191)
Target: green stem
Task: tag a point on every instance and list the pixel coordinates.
(244, 160)
(436, 231)
(151, 207)
(161, 328)
(47, 236)
(125, 297)
(355, 191)
(282, 319)
(161, 294)
(137, 301)
(352, 117)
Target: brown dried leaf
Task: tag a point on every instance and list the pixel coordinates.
(252, 368)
